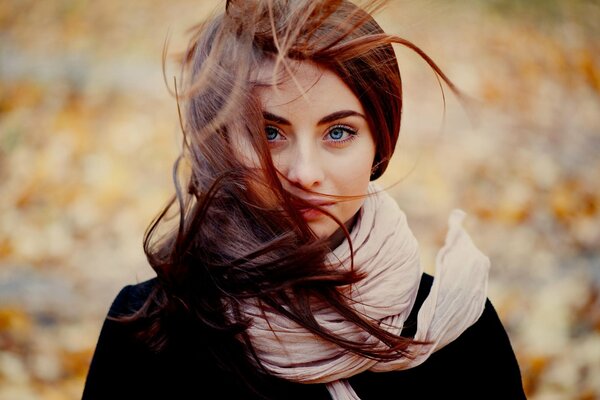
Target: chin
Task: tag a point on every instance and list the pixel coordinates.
(321, 231)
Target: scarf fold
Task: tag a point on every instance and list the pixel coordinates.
(387, 252)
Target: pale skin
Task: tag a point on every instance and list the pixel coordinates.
(320, 140)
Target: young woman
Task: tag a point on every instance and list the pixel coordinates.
(288, 274)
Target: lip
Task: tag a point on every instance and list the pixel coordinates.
(319, 203)
(312, 213)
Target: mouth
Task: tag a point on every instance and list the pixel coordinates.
(312, 213)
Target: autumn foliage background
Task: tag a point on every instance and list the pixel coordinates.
(88, 134)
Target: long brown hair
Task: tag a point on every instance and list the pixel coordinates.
(237, 233)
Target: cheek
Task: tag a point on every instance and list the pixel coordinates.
(259, 187)
(279, 161)
(355, 170)
(353, 178)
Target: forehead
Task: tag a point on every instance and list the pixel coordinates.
(303, 84)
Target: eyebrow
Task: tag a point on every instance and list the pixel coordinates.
(326, 119)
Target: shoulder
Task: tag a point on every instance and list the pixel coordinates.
(489, 323)
(461, 368)
(132, 297)
(484, 343)
(489, 315)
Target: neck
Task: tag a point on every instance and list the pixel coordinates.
(338, 236)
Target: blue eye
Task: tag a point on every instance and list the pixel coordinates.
(271, 132)
(336, 133)
(340, 133)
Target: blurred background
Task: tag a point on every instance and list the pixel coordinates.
(88, 134)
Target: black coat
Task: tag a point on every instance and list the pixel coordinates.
(480, 364)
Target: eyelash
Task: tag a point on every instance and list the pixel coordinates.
(279, 131)
(352, 133)
(349, 130)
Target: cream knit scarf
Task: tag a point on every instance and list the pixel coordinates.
(386, 250)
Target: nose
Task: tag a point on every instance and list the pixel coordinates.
(304, 167)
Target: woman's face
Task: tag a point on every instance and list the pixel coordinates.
(320, 140)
